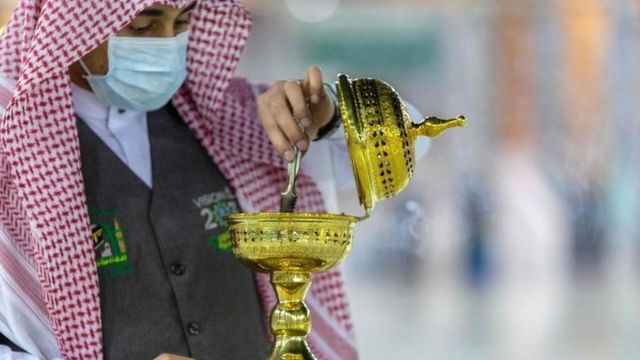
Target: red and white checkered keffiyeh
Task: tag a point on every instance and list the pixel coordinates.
(45, 244)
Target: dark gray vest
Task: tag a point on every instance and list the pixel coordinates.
(168, 281)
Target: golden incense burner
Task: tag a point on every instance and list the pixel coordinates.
(292, 246)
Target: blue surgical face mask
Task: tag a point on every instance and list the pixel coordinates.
(144, 72)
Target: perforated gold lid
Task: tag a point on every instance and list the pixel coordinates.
(381, 137)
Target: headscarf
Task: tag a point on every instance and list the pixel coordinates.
(45, 249)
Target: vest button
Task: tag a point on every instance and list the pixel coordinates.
(193, 329)
(178, 269)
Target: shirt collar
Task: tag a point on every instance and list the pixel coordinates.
(87, 105)
(96, 113)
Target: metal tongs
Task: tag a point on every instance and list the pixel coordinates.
(288, 196)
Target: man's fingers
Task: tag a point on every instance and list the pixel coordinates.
(171, 357)
(277, 137)
(291, 108)
(314, 84)
(282, 115)
(295, 96)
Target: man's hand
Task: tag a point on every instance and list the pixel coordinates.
(293, 111)
(171, 357)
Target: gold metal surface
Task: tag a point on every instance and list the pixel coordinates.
(291, 246)
(381, 137)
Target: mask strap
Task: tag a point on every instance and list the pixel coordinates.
(86, 69)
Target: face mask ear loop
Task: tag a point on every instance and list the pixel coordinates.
(86, 69)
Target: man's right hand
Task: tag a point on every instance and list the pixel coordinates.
(171, 357)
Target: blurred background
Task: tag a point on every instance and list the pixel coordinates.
(518, 237)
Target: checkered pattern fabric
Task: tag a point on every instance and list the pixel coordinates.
(42, 202)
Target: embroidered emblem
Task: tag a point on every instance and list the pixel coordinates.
(213, 208)
(112, 259)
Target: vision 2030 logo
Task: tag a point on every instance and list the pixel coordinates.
(214, 207)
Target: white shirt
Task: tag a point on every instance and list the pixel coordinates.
(123, 131)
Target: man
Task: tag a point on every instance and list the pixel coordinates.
(123, 143)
